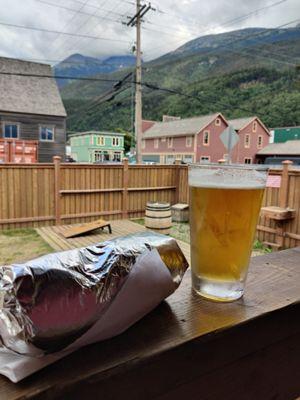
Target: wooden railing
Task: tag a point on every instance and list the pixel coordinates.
(34, 195)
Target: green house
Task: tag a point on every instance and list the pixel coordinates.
(94, 146)
(282, 135)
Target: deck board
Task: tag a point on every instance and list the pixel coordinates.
(54, 237)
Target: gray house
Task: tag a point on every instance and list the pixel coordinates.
(31, 107)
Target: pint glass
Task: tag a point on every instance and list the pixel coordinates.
(225, 201)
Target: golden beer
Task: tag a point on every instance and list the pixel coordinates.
(223, 222)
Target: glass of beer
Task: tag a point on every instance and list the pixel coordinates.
(225, 202)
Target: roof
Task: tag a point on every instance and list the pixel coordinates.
(286, 127)
(240, 123)
(102, 133)
(182, 127)
(29, 94)
(289, 148)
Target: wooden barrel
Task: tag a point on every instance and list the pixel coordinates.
(158, 217)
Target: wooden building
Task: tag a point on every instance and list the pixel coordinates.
(31, 108)
(253, 136)
(189, 140)
(202, 139)
(95, 146)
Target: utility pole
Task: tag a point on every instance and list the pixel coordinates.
(138, 87)
(136, 21)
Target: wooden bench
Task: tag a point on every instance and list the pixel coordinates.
(190, 348)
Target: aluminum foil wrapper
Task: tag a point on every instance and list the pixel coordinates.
(48, 303)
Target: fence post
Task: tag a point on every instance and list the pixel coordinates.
(177, 183)
(284, 187)
(57, 187)
(283, 202)
(125, 188)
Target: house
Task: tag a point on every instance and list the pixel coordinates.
(194, 139)
(253, 136)
(95, 146)
(281, 135)
(275, 153)
(31, 109)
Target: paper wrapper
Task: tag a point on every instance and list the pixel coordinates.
(53, 305)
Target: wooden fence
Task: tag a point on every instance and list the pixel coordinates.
(48, 194)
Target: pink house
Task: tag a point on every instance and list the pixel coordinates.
(198, 139)
(190, 140)
(253, 136)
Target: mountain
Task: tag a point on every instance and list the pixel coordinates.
(249, 71)
(80, 65)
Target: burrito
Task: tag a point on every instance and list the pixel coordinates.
(48, 304)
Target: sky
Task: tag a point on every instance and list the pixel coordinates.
(169, 25)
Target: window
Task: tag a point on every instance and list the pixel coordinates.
(188, 159)
(116, 141)
(143, 144)
(189, 141)
(156, 143)
(218, 122)
(206, 138)
(11, 131)
(100, 141)
(117, 156)
(205, 159)
(47, 133)
(247, 140)
(248, 160)
(170, 159)
(254, 128)
(259, 142)
(170, 142)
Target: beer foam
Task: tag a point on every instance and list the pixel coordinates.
(227, 178)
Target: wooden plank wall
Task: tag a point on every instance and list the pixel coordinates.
(45, 194)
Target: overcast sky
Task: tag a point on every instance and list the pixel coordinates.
(172, 24)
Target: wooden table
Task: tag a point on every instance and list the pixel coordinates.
(189, 348)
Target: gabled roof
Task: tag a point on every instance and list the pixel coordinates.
(29, 94)
(289, 148)
(240, 123)
(181, 127)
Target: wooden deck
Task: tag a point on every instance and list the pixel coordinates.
(54, 237)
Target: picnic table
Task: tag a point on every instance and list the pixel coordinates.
(190, 348)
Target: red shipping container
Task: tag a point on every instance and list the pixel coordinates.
(18, 151)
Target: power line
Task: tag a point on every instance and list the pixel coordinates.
(32, 28)
(95, 16)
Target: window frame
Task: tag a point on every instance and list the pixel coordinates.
(169, 142)
(17, 124)
(260, 145)
(100, 141)
(143, 143)
(248, 158)
(156, 143)
(189, 141)
(116, 141)
(41, 126)
(218, 122)
(247, 145)
(204, 137)
(254, 126)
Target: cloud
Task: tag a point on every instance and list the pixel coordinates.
(171, 25)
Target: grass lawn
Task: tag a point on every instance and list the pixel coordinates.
(181, 231)
(18, 245)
